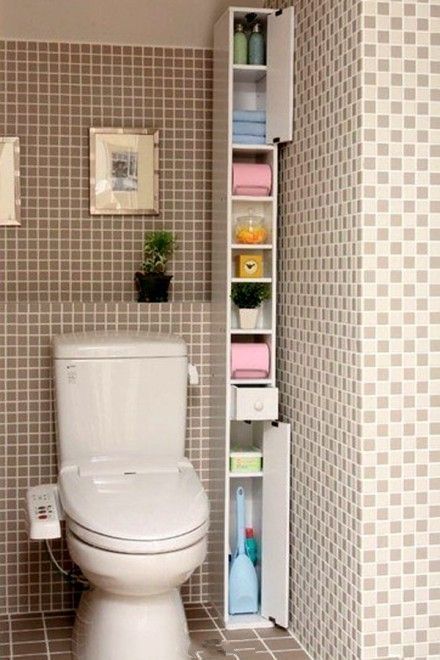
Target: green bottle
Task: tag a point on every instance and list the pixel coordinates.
(256, 46)
(240, 45)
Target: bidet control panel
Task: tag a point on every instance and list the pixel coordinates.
(44, 512)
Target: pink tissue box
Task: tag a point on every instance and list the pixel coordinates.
(250, 360)
(254, 179)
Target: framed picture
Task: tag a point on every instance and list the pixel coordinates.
(9, 181)
(124, 171)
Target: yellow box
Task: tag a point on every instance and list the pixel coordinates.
(249, 265)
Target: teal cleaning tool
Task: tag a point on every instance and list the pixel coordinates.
(243, 580)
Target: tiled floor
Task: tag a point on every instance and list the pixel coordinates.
(47, 637)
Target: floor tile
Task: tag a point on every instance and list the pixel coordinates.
(282, 644)
(209, 641)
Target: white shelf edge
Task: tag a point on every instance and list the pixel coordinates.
(245, 475)
(250, 381)
(255, 331)
(265, 148)
(252, 246)
(249, 72)
(237, 621)
(255, 199)
(261, 280)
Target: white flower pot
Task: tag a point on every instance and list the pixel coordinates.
(248, 318)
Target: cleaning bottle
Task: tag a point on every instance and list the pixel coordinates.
(256, 46)
(251, 546)
(240, 45)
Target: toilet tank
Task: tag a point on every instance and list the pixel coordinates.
(120, 395)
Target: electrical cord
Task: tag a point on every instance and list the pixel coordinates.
(70, 576)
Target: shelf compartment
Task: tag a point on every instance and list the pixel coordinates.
(249, 73)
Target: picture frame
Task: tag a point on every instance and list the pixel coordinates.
(10, 201)
(124, 171)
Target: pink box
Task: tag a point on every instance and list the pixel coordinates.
(250, 360)
(254, 179)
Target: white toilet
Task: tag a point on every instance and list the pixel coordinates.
(136, 512)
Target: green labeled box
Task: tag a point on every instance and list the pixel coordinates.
(246, 460)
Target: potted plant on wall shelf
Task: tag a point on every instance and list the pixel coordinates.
(248, 296)
(153, 283)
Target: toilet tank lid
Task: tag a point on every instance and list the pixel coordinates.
(95, 345)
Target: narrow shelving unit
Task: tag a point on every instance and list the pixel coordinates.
(247, 408)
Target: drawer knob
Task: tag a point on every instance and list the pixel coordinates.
(258, 405)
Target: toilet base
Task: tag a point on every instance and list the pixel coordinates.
(114, 627)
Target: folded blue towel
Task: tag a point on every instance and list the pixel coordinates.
(250, 115)
(248, 128)
(249, 139)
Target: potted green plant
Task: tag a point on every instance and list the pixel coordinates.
(248, 296)
(153, 282)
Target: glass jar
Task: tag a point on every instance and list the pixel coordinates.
(251, 229)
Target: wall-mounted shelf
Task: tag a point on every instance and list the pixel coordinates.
(244, 408)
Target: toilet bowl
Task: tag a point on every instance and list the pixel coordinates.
(136, 513)
(137, 537)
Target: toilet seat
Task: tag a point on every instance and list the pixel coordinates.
(139, 509)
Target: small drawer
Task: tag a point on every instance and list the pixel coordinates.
(249, 403)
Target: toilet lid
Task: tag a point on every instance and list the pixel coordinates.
(138, 504)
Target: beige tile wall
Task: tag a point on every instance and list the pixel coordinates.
(51, 94)
(27, 433)
(400, 339)
(358, 324)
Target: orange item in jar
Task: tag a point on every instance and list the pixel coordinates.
(250, 235)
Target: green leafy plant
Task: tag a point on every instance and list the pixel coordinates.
(158, 248)
(249, 295)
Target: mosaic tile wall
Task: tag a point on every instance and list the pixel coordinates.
(27, 435)
(400, 342)
(51, 94)
(358, 326)
(318, 320)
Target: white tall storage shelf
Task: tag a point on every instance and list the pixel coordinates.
(248, 408)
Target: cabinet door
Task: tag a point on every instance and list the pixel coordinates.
(275, 523)
(279, 90)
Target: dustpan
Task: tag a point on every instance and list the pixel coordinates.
(243, 580)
